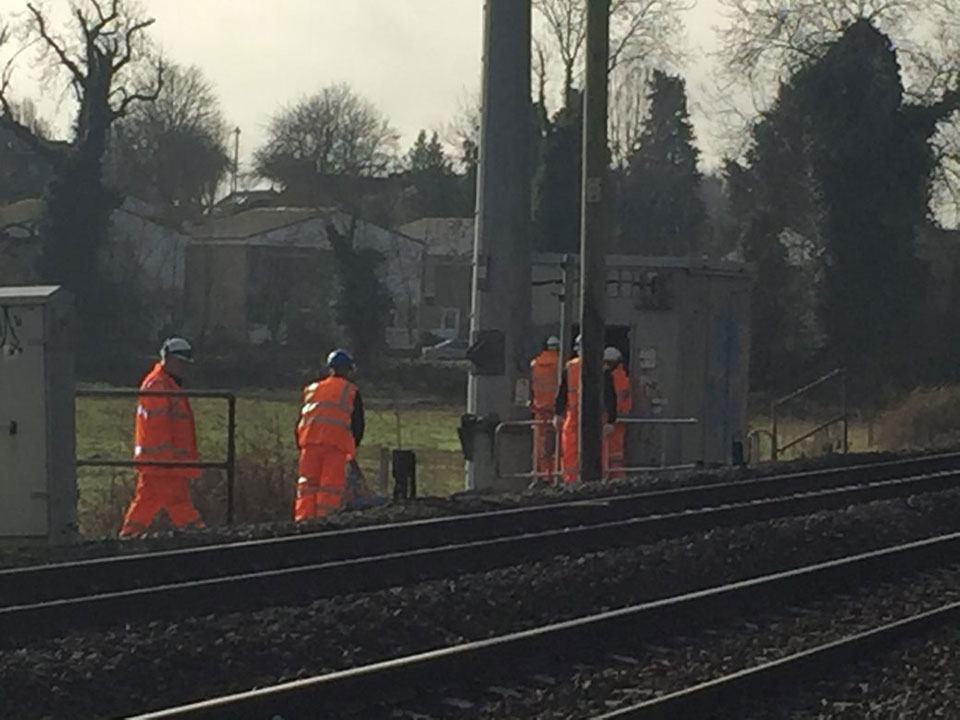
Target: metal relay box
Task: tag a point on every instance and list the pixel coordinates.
(38, 488)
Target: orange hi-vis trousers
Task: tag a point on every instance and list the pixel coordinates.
(158, 491)
(615, 452)
(322, 485)
(544, 447)
(570, 448)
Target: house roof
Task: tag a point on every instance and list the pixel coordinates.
(443, 236)
(249, 223)
(22, 212)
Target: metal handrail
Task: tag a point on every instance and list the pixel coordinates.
(756, 434)
(843, 418)
(555, 422)
(229, 464)
(662, 467)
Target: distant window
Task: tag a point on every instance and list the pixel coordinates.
(450, 320)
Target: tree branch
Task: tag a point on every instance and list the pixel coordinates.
(78, 76)
(128, 43)
(128, 99)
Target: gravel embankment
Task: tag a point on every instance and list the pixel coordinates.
(148, 665)
(919, 679)
(633, 674)
(423, 508)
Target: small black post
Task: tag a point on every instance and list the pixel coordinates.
(231, 453)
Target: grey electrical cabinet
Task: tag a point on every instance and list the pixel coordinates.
(38, 488)
(683, 326)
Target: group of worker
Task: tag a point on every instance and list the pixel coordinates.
(330, 428)
(555, 401)
(328, 431)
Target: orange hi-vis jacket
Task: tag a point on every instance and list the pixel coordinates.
(621, 384)
(544, 382)
(164, 428)
(326, 415)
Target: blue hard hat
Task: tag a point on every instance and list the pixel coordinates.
(339, 358)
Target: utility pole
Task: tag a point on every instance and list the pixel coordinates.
(236, 160)
(501, 260)
(593, 241)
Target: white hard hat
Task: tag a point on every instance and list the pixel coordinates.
(611, 354)
(553, 343)
(576, 343)
(177, 346)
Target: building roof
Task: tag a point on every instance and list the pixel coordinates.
(443, 236)
(25, 294)
(249, 223)
(22, 212)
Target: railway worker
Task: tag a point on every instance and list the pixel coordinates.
(568, 407)
(328, 432)
(544, 381)
(164, 431)
(616, 441)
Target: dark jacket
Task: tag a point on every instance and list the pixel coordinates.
(609, 396)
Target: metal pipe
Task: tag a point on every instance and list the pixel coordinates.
(806, 388)
(593, 241)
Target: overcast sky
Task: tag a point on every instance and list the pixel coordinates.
(417, 60)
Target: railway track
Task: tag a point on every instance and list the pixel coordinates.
(369, 689)
(49, 599)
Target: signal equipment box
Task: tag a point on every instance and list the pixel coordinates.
(38, 488)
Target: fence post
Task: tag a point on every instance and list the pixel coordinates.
(773, 431)
(384, 473)
(231, 454)
(846, 413)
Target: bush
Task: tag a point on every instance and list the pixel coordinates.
(926, 418)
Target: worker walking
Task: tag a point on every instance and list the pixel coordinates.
(544, 381)
(617, 440)
(329, 430)
(164, 431)
(568, 407)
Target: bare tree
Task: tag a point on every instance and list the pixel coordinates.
(642, 32)
(174, 149)
(335, 132)
(629, 104)
(463, 132)
(101, 52)
(766, 39)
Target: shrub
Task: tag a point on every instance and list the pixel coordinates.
(926, 418)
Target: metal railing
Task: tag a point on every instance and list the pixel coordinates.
(229, 464)
(524, 424)
(653, 421)
(556, 474)
(842, 419)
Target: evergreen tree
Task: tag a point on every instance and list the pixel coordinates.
(662, 210)
(556, 190)
(843, 163)
(437, 190)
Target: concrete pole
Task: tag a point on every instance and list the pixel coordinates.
(501, 260)
(593, 240)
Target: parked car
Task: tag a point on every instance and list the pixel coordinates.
(447, 350)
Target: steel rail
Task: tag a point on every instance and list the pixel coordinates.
(28, 585)
(367, 574)
(714, 697)
(380, 683)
